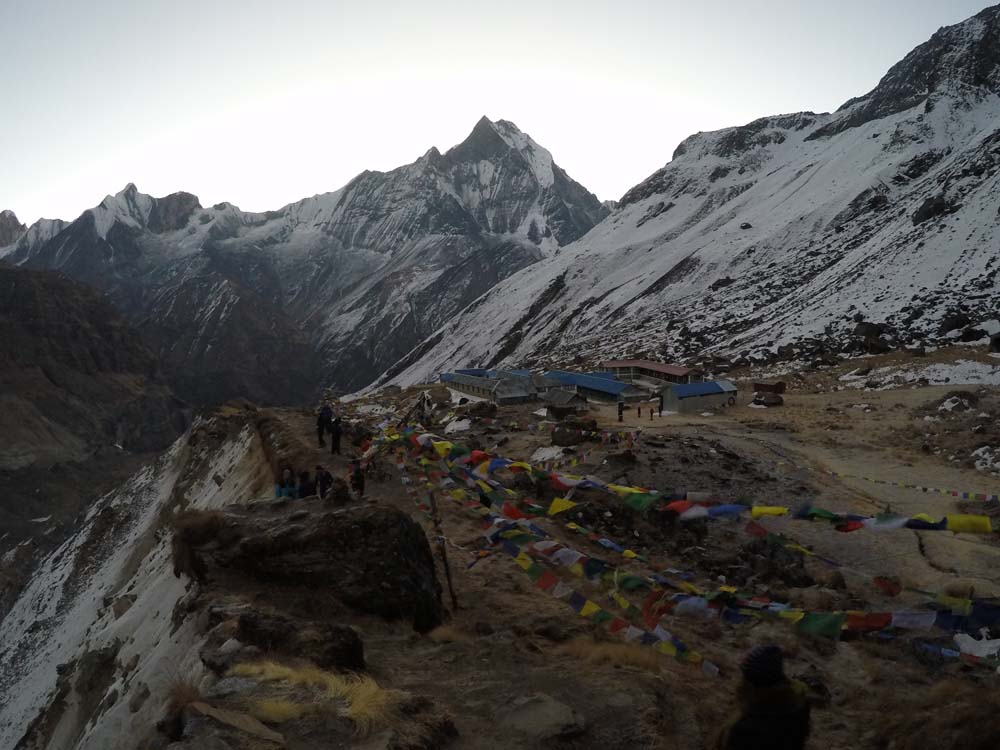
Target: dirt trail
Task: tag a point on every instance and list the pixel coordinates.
(815, 434)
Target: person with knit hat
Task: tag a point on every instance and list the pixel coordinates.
(774, 710)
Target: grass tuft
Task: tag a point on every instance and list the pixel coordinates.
(624, 654)
(358, 698)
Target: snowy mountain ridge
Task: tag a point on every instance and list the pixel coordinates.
(782, 233)
(340, 284)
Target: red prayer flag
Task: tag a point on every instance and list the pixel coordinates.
(511, 512)
(890, 586)
(755, 529)
(617, 624)
(869, 622)
(546, 580)
(849, 526)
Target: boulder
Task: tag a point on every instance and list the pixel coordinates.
(541, 717)
(327, 646)
(995, 342)
(373, 559)
(865, 329)
(932, 207)
(953, 322)
(768, 399)
(876, 345)
(972, 334)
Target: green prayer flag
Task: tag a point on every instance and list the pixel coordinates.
(826, 625)
(823, 514)
(640, 501)
(535, 571)
(602, 616)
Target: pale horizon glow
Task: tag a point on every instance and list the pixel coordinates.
(261, 104)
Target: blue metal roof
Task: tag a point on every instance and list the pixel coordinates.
(476, 372)
(588, 381)
(603, 374)
(687, 390)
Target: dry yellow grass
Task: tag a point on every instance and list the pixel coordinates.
(276, 710)
(624, 654)
(181, 692)
(447, 634)
(358, 698)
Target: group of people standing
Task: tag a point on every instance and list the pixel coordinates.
(306, 485)
(328, 422)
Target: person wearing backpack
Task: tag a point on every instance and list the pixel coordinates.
(336, 432)
(774, 710)
(324, 422)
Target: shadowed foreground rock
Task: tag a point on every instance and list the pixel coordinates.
(374, 560)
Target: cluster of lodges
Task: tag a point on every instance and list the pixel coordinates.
(675, 388)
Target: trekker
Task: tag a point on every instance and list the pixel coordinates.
(286, 485)
(356, 478)
(621, 411)
(650, 413)
(324, 422)
(659, 405)
(324, 481)
(774, 710)
(307, 487)
(336, 432)
(638, 411)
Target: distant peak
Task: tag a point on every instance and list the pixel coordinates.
(10, 227)
(129, 189)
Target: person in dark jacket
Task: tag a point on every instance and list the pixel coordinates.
(324, 481)
(307, 487)
(324, 422)
(356, 476)
(774, 710)
(286, 485)
(336, 432)
(621, 410)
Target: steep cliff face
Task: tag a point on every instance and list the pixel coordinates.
(10, 228)
(332, 289)
(780, 233)
(76, 385)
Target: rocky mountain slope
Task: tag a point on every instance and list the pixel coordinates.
(79, 393)
(870, 227)
(331, 289)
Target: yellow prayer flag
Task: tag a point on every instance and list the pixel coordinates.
(443, 447)
(687, 587)
(576, 569)
(572, 526)
(957, 606)
(559, 505)
(666, 647)
(728, 589)
(792, 615)
(620, 600)
(759, 511)
(589, 608)
(924, 517)
(629, 554)
(962, 523)
(523, 560)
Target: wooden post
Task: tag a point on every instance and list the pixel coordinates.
(442, 547)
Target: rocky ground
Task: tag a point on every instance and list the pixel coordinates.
(309, 624)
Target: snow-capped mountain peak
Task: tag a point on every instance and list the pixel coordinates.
(360, 274)
(778, 233)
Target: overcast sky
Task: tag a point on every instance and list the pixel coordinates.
(262, 103)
